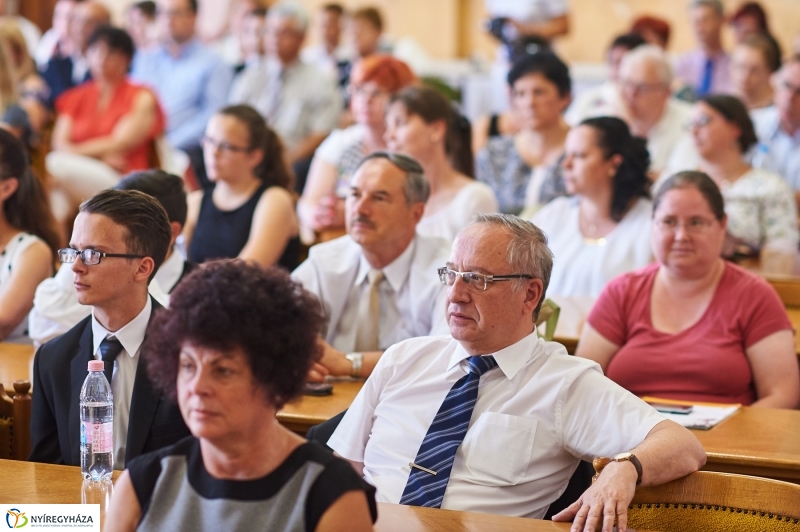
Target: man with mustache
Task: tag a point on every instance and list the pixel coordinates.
(494, 419)
(378, 283)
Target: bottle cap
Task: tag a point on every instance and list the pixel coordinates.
(97, 365)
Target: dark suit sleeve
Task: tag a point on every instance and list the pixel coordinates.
(44, 430)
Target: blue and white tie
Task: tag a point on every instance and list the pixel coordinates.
(431, 468)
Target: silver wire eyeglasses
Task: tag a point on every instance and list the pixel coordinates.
(477, 281)
(90, 256)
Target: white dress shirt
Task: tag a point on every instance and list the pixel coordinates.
(297, 100)
(55, 304)
(535, 417)
(777, 151)
(412, 300)
(131, 337)
(474, 198)
(668, 133)
(582, 267)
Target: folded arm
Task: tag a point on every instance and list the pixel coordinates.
(133, 130)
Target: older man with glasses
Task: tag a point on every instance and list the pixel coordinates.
(119, 240)
(378, 283)
(644, 83)
(492, 418)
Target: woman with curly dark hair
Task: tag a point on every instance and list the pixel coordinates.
(250, 211)
(233, 348)
(603, 229)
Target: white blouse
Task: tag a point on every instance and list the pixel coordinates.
(474, 198)
(582, 266)
(15, 247)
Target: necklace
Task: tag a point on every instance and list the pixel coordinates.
(589, 231)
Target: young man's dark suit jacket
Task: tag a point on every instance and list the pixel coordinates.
(59, 369)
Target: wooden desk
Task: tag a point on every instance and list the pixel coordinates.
(397, 518)
(763, 442)
(16, 363)
(26, 482)
(782, 271)
(308, 411)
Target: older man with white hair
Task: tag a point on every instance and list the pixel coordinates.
(491, 418)
(644, 82)
(299, 102)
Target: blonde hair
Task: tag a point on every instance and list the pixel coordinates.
(8, 78)
(11, 35)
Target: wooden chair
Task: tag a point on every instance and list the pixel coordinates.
(15, 421)
(715, 502)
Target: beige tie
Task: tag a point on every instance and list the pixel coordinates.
(369, 311)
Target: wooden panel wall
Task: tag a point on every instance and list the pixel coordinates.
(453, 28)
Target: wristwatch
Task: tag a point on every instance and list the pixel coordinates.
(356, 359)
(630, 457)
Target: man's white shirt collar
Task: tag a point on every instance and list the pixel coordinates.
(510, 359)
(131, 335)
(396, 272)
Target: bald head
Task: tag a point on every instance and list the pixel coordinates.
(85, 18)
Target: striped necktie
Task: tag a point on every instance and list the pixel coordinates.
(430, 471)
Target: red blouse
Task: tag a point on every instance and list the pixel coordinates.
(89, 122)
(707, 361)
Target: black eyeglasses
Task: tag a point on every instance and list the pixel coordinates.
(474, 280)
(211, 144)
(89, 256)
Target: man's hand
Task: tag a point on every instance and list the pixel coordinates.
(331, 362)
(606, 501)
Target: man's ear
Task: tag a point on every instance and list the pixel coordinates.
(534, 292)
(176, 230)
(145, 269)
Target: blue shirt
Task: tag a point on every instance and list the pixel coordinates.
(190, 87)
(778, 151)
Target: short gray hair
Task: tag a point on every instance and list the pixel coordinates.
(416, 188)
(292, 11)
(716, 5)
(527, 252)
(649, 53)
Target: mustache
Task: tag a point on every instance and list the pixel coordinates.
(363, 220)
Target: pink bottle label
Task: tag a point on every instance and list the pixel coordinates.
(99, 435)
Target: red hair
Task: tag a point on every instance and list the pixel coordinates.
(388, 73)
(656, 25)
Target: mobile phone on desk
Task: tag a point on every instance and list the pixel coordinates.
(318, 388)
(672, 409)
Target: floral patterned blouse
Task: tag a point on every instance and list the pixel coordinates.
(500, 166)
(761, 210)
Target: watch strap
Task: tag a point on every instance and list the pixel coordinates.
(630, 457)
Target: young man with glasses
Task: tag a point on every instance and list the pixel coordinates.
(378, 283)
(495, 420)
(120, 239)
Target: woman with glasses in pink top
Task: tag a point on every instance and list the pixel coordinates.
(693, 326)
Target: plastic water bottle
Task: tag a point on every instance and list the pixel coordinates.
(97, 425)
